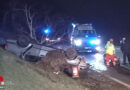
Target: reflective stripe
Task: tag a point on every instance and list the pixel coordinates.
(110, 49)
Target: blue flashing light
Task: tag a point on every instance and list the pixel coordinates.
(95, 42)
(90, 24)
(74, 25)
(46, 30)
(86, 36)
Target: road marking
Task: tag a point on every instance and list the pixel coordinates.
(118, 81)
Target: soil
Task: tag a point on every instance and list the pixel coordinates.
(54, 61)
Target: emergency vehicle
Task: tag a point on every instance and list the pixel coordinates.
(84, 38)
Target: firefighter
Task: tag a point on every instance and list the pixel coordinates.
(122, 43)
(110, 53)
(108, 42)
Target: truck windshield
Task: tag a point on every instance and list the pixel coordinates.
(86, 32)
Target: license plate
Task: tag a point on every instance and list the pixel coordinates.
(87, 47)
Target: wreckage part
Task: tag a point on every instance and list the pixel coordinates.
(75, 61)
(27, 49)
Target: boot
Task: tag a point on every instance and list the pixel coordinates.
(108, 65)
(114, 64)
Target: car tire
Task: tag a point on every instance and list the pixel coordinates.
(23, 41)
(71, 53)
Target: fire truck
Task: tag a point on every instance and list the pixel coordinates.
(84, 38)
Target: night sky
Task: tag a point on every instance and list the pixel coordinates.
(111, 18)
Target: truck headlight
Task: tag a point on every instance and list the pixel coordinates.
(78, 42)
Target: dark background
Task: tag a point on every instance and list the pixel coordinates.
(111, 18)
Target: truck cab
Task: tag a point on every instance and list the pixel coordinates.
(85, 39)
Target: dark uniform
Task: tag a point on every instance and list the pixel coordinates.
(125, 47)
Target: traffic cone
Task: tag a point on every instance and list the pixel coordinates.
(75, 72)
(2, 81)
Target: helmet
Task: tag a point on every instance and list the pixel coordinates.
(111, 40)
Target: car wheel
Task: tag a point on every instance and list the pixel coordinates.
(23, 41)
(71, 53)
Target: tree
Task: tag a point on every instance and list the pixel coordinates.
(30, 20)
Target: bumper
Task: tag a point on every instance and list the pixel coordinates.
(87, 48)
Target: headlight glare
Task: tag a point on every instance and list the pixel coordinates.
(98, 48)
(78, 42)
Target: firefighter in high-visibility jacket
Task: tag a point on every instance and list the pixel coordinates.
(110, 53)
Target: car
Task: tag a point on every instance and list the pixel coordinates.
(32, 52)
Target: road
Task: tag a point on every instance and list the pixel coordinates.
(96, 60)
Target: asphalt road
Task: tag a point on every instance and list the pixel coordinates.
(96, 60)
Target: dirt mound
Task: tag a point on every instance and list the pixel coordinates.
(55, 60)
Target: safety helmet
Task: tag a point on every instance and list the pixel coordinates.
(111, 40)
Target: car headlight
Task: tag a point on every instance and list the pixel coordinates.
(59, 39)
(97, 41)
(47, 39)
(78, 42)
